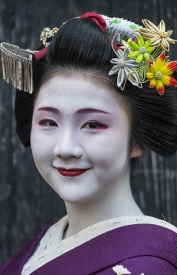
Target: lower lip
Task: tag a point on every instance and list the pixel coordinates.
(71, 173)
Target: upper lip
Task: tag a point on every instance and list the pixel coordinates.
(72, 169)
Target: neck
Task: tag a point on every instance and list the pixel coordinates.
(116, 201)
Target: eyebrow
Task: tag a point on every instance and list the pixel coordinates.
(80, 111)
(49, 109)
(90, 110)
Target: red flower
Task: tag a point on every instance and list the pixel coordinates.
(97, 18)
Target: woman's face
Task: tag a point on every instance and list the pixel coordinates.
(80, 137)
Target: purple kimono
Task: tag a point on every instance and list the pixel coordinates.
(144, 249)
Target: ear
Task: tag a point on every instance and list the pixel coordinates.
(137, 150)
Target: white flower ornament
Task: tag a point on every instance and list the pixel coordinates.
(125, 69)
(120, 270)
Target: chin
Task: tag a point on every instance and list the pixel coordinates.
(76, 196)
(76, 199)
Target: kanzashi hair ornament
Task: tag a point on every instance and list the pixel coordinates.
(140, 54)
(17, 62)
(47, 34)
(17, 66)
(158, 35)
(142, 60)
(123, 67)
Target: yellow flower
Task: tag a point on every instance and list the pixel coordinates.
(158, 35)
(159, 74)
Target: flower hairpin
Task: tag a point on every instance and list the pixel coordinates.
(141, 49)
(47, 34)
(159, 74)
(143, 59)
(123, 67)
(158, 35)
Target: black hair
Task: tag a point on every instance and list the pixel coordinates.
(80, 45)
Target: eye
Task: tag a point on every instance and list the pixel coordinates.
(48, 123)
(94, 125)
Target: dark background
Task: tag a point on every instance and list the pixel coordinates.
(26, 202)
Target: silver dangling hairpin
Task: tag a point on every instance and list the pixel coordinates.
(17, 62)
(17, 66)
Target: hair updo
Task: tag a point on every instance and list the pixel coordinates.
(80, 45)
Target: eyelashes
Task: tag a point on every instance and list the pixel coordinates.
(48, 123)
(92, 125)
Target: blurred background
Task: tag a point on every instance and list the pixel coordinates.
(27, 203)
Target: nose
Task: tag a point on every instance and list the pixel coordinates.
(68, 146)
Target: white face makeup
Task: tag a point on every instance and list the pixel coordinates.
(78, 124)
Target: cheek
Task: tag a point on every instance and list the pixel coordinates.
(36, 145)
(108, 148)
(42, 157)
(40, 140)
(40, 148)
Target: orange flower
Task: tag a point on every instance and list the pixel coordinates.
(159, 74)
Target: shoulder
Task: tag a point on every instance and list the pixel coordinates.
(148, 236)
(143, 245)
(153, 245)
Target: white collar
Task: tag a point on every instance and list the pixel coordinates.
(52, 245)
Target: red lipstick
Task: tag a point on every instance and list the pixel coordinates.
(74, 172)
